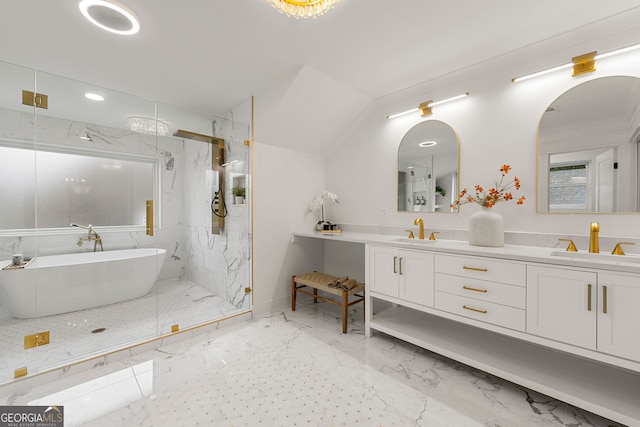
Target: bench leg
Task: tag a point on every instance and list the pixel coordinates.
(293, 293)
(315, 296)
(345, 310)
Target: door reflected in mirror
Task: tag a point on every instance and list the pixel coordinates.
(588, 148)
(428, 163)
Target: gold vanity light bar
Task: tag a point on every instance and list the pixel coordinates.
(425, 107)
(581, 64)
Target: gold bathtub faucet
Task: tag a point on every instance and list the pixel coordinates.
(91, 236)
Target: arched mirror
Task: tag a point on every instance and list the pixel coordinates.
(428, 162)
(588, 148)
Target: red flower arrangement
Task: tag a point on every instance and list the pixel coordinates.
(499, 193)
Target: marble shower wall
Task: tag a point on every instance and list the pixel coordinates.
(218, 262)
(17, 126)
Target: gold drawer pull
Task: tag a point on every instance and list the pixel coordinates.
(473, 289)
(474, 268)
(474, 309)
(589, 297)
(604, 299)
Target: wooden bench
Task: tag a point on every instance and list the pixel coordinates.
(324, 282)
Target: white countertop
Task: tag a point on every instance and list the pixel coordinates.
(546, 255)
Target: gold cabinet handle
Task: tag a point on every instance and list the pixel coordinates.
(400, 263)
(474, 309)
(474, 268)
(589, 297)
(604, 299)
(473, 289)
(395, 260)
(149, 217)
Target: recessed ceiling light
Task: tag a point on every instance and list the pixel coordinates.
(94, 96)
(427, 144)
(110, 16)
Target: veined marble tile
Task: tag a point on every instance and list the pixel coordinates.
(217, 263)
(297, 368)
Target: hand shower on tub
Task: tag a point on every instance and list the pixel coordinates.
(91, 236)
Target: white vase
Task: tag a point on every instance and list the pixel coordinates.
(486, 228)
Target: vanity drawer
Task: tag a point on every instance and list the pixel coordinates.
(483, 290)
(497, 314)
(482, 268)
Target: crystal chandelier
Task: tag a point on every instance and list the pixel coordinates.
(148, 126)
(303, 9)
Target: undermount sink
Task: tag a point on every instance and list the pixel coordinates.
(604, 257)
(417, 241)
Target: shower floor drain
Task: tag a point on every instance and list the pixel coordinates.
(97, 331)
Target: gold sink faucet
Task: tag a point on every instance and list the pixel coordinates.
(420, 222)
(594, 245)
(571, 247)
(618, 249)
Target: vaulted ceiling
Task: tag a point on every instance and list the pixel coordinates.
(211, 55)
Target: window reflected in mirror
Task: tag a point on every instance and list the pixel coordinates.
(588, 152)
(428, 163)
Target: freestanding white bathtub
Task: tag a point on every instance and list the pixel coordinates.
(62, 283)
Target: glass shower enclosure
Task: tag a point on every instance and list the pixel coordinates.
(115, 228)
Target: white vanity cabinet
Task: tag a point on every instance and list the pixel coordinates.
(619, 315)
(591, 309)
(403, 274)
(564, 326)
(561, 304)
(488, 290)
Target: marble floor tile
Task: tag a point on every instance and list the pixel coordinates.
(297, 369)
(171, 301)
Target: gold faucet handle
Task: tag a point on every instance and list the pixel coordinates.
(571, 247)
(618, 249)
(432, 236)
(411, 236)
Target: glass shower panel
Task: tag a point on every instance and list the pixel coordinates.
(80, 173)
(209, 268)
(232, 255)
(16, 210)
(95, 263)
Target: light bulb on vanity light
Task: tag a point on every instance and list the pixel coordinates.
(425, 107)
(581, 64)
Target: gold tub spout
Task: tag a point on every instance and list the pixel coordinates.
(594, 245)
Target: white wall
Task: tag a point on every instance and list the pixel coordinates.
(285, 183)
(497, 124)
